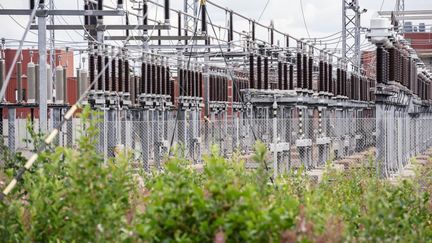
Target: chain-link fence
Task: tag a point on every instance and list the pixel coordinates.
(307, 142)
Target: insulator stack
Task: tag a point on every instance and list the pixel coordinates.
(59, 85)
(113, 75)
(158, 80)
(126, 81)
(148, 80)
(190, 82)
(153, 78)
(181, 82)
(49, 84)
(120, 75)
(291, 76)
(99, 69)
(200, 84)
(393, 65)
(285, 76)
(31, 82)
(197, 84)
(330, 77)
(19, 82)
(266, 73)
(299, 70)
(280, 76)
(310, 74)
(344, 83)
(163, 80)
(251, 71)
(170, 86)
(305, 72)
(143, 86)
(2, 72)
(84, 83)
(37, 83)
(259, 73)
(321, 76)
(168, 80)
(107, 74)
(325, 77)
(338, 82)
(380, 62)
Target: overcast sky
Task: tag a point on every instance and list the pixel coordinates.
(323, 17)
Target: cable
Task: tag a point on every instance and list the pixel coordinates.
(304, 19)
(264, 9)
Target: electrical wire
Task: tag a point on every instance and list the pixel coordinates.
(264, 9)
(304, 18)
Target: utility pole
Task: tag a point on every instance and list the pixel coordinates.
(43, 86)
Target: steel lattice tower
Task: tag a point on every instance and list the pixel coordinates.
(351, 33)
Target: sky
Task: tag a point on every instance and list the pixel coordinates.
(322, 17)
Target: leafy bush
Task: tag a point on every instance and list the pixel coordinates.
(75, 196)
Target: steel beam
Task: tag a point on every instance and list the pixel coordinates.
(150, 38)
(104, 27)
(45, 12)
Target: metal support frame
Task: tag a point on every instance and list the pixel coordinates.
(351, 29)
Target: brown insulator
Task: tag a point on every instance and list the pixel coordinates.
(120, 78)
(113, 75)
(153, 78)
(338, 82)
(285, 76)
(259, 74)
(330, 77)
(299, 70)
(251, 71)
(291, 76)
(107, 74)
(143, 85)
(305, 72)
(126, 77)
(163, 81)
(149, 81)
(280, 76)
(99, 70)
(158, 80)
(91, 70)
(266, 73)
(310, 74)
(181, 82)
